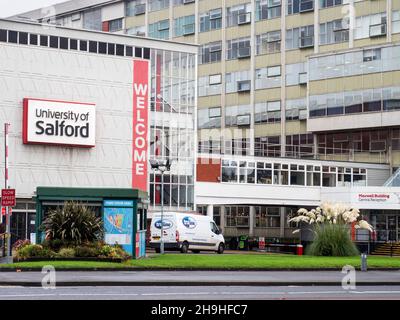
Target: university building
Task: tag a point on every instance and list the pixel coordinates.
(298, 102)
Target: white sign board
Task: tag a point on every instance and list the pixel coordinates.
(59, 123)
(377, 198)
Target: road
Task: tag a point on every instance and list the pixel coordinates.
(199, 278)
(200, 293)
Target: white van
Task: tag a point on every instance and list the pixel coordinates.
(184, 231)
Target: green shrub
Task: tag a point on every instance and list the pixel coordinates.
(113, 252)
(73, 223)
(85, 251)
(55, 244)
(35, 251)
(332, 240)
(66, 253)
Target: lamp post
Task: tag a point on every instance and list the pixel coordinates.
(162, 166)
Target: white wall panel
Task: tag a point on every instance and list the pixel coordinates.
(36, 72)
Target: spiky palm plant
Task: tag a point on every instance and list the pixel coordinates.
(73, 223)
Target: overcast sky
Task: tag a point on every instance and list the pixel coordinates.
(12, 7)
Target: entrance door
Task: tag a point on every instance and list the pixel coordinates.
(392, 228)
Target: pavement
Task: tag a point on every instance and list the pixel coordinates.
(200, 278)
(158, 294)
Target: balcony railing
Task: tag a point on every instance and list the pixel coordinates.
(297, 152)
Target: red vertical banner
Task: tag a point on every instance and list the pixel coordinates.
(140, 124)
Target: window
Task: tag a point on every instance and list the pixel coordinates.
(371, 55)
(268, 146)
(211, 20)
(229, 171)
(205, 88)
(297, 175)
(313, 175)
(63, 43)
(293, 72)
(215, 79)
(184, 26)
(396, 21)
(267, 217)
(333, 32)
(306, 37)
(232, 80)
(83, 45)
(237, 115)
(12, 36)
(23, 38)
(237, 216)
(268, 9)
(93, 46)
(135, 7)
(115, 25)
(137, 31)
(298, 6)
(159, 30)
(281, 174)
(370, 25)
(155, 5)
(210, 52)
(264, 173)
(268, 77)
(267, 112)
(3, 35)
(92, 20)
(33, 39)
(294, 109)
(269, 42)
(73, 44)
(238, 48)
(237, 15)
(330, 3)
(209, 118)
(247, 172)
(44, 41)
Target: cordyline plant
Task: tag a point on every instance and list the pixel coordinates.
(331, 227)
(73, 223)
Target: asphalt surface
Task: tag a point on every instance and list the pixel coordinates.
(201, 293)
(199, 278)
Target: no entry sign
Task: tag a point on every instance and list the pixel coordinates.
(8, 197)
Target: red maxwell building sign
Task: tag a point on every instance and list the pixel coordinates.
(140, 124)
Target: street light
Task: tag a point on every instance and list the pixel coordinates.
(162, 166)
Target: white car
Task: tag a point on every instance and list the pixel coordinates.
(184, 231)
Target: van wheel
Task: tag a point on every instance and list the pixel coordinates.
(221, 248)
(196, 251)
(185, 247)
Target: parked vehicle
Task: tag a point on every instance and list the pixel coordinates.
(184, 231)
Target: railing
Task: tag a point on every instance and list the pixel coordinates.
(299, 152)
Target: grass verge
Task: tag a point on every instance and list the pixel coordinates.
(214, 261)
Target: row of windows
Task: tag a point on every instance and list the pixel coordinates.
(355, 63)
(256, 172)
(302, 145)
(65, 43)
(351, 102)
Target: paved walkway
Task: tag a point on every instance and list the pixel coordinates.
(197, 278)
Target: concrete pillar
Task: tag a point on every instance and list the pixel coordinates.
(252, 214)
(210, 211)
(222, 215)
(282, 226)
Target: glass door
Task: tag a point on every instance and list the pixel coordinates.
(392, 228)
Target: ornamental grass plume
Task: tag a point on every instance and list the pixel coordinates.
(331, 224)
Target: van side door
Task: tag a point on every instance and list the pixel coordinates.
(214, 233)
